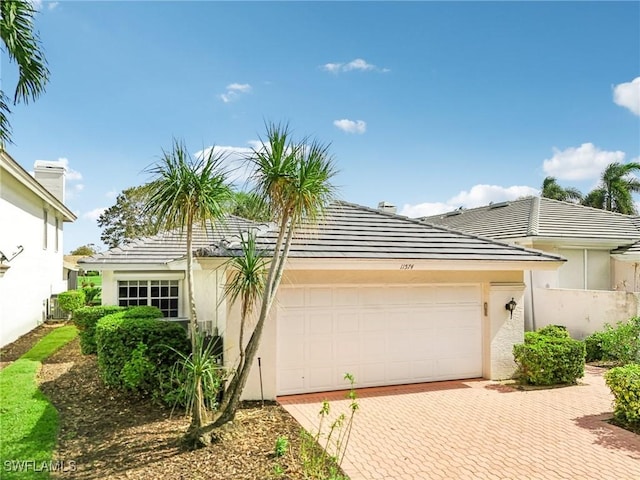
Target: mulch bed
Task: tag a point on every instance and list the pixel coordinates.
(106, 434)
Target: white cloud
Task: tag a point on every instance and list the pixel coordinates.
(93, 214)
(234, 90)
(627, 95)
(38, 4)
(53, 5)
(351, 126)
(111, 194)
(234, 159)
(477, 196)
(582, 163)
(356, 64)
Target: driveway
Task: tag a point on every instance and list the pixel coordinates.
(480, 429)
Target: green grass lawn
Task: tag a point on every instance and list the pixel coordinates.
(28, 421)
(95, 279)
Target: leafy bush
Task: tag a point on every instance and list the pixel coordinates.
(593, 346)
(556, 331)
(92, 295)
(71, 300)
(120, 357)
(549, 360)
(85, 319)
(200, 367)
(624, 383)
(622, 343)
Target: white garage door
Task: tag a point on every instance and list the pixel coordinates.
(387, 335)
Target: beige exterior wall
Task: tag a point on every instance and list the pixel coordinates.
(626, 276)
(36, 273)
(500, 332)
(583, 311)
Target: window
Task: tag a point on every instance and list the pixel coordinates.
(45, 230)
(163, 294)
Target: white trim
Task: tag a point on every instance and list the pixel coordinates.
(148, 276)
(418, 264)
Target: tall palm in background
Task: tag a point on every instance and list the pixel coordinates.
(22, 44)
(615, 191)
(295, 180)
(551, 189)
(185, 192)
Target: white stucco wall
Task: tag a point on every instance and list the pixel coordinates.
(36, 273)
(626, 276)
(583, 311)
(504, 330)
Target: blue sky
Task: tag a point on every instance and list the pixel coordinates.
(427, 105)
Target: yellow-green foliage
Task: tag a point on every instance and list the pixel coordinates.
(624, 383)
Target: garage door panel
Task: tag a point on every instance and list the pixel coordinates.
(346, 322)
(373, 321)
(381, 335)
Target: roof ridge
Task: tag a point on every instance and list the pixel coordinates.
(534, 217)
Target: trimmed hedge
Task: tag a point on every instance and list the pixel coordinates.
(71, 300)
(135, 352)
(624, 383)
(85, 319)
(556, 331)
(593, 346)
(549, 360)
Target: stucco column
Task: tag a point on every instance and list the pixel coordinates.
(504, 329)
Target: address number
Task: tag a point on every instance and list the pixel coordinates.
(406, 266)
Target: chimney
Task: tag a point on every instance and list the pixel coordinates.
(387, 207)
(51, 176)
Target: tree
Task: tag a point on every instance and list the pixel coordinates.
(22, 45)
(126, 220)
(551, 189)
(294, 179)
(85, 250)
(250, 206)
(183, 193)
(616, 189)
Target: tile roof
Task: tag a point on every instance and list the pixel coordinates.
(542, 217)
(348, 231)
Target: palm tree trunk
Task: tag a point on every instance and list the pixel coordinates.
(231, 399)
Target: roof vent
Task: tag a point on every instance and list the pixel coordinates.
(387, 207)
(498, 205)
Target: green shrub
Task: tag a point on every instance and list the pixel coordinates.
(556, 331)
(122, 363)
(85, 319)
(624, 383)
(143, 311)
(622, 342)
(549, 360)
(92, 295)
(71, 300)
(593, 346)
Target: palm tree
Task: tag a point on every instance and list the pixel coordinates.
(295, 180)
(616, 189)
(186, 192)
(22, 45)
(551, 189)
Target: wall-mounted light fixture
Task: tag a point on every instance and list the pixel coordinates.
(4, 258)
(511, 306)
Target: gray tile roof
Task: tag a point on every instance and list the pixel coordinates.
(347, 232)
(169, 246)
(542, 217)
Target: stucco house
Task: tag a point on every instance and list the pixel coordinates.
(600, 281)
(32, 215)
(386, 298)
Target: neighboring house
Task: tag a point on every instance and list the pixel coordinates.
(599, 282)
(32, 215)
(386, 298)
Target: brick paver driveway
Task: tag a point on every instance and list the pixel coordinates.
(481, 430)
